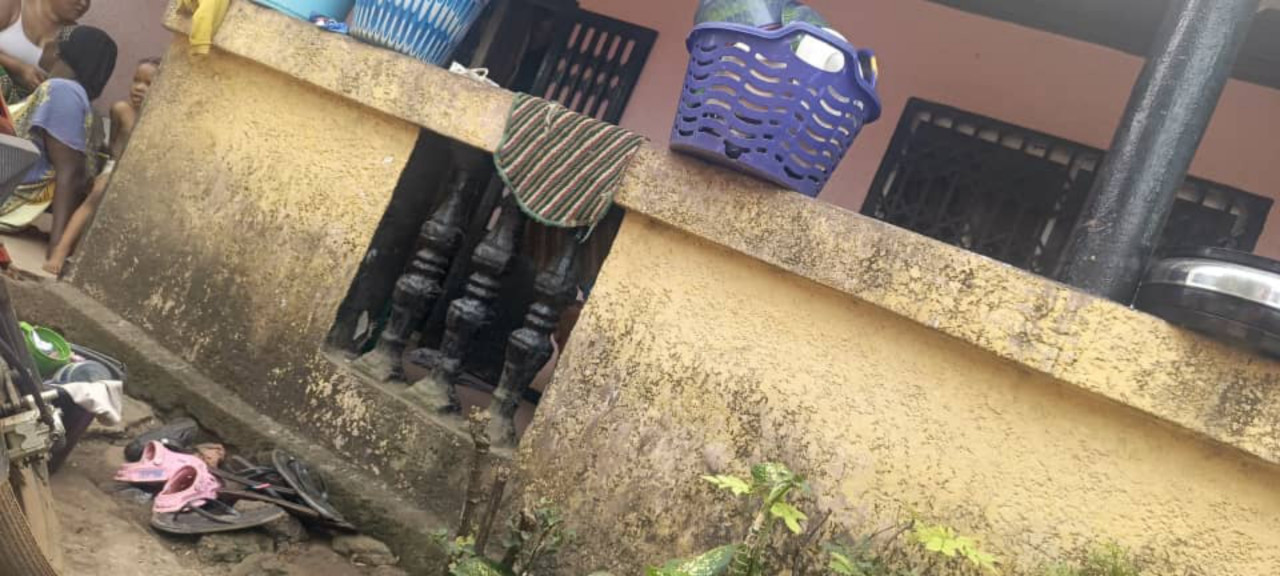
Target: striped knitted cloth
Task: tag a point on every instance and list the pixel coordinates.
(563, 167)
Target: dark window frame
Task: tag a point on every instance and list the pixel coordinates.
(1001, 173)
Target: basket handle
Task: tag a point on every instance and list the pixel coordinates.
(868, 67)
(867, 74)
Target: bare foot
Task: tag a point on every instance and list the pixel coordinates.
(54, 266)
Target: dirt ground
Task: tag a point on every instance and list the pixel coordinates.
(106, 531)
(27, 249)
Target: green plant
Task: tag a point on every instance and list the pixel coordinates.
(478, 566)
(456, 549)
(1106, 560)
(944, 541)
(857, 560)
(534, 536)
(882, 553)
(912, 549)
(463, 560)
(771, 483)
(711, 563)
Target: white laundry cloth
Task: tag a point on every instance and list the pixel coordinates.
(104, 399)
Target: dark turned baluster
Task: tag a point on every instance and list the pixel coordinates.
(467, 315)
(419, 287)
(529, 348)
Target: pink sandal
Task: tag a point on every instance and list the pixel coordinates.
(157, 466)
(190, 486)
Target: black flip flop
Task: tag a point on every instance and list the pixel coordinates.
(116, 367)
(241, 467)
(310, 486)
(302, 511)
(212, 517)
(266, 487)
(178, 435)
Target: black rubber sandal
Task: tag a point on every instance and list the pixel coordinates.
(178, 435)
(116, 367)
(212, 517)
(302, 511)
(310, 486)
(240, 466)
(271, 489)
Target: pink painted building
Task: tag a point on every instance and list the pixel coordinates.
(1038, 80)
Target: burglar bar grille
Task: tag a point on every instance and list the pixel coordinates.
(595, 68)
(981, 184)
(1210, 214)
(1015, 194)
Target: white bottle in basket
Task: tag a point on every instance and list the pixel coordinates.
(819, 54)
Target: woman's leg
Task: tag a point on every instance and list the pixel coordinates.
(64, 205)
(62, 248)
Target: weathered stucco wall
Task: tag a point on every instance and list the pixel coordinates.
(733, 323)
(231, 232)
(695, 359)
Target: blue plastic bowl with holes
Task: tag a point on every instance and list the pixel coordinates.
(428, 30)
(750, 103)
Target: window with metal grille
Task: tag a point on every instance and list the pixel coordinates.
(1015, 194)
(1211, 214)
(596, 66)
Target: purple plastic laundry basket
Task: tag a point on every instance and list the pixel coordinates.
(751, 104)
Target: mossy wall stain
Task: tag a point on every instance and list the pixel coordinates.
(231, 232)
(693, 359)
(1130, 357)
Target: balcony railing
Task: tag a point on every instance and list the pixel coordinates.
(482, 295)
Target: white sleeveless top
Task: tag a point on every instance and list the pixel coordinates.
(14, 42)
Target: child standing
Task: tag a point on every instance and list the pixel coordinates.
(124, 114)
(124, 117)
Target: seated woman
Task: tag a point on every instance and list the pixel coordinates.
(124, 117)
(58, 119)
(26, 26)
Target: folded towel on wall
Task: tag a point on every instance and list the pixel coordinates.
(206, 17)
(562, 167)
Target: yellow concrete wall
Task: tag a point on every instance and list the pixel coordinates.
(732, 324)
(693, 359)
(231, 233)
(260, 195)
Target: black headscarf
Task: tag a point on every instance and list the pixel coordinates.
(91, 54)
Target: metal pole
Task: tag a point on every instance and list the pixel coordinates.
(1167, 115)
(27, 403)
